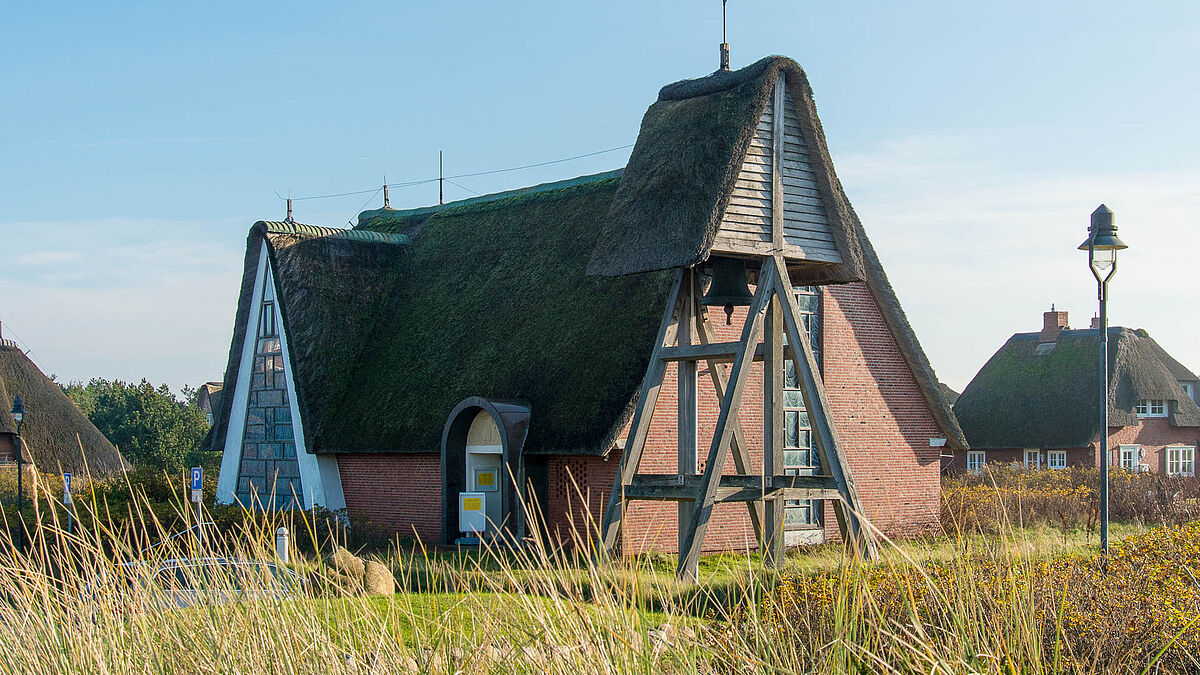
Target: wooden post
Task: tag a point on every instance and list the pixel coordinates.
(829, 449)
(773, 432)
(741, 452)
(610, 525)
(689, 555)
(686, 400)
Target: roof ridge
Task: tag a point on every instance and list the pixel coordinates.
(291, 227)
(492, 197)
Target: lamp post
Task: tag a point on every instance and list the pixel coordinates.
(18, 413)
(1102, 245)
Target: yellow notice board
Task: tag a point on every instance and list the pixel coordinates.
(486, 479)
(472, 504)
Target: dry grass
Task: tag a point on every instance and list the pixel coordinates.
(1026, 601)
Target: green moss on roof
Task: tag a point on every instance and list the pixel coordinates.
(1023, 399)
(494, 302)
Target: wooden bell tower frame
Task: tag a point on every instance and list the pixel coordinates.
(771, 316)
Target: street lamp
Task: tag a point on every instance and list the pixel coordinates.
(1102, 245)
(18, 413)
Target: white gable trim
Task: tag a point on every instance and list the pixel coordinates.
(311, 475)
(231, 456)
(320, 481)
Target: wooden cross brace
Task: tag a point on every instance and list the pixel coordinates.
(774, 311)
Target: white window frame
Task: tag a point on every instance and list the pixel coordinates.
(1187, 389)
(1056, 459)
(1151, 408)
(1037, 458)
(976, 460)
(1129, 458)
(1181, 460)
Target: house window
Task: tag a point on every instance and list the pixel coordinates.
(1033, 459)
(269, 474)
(1181, 461)
(976, 460)
(1130, 454)
(1151, 408)
(798, 456)
(1056, 459)
(1187, 389)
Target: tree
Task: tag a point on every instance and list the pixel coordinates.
(148, 425)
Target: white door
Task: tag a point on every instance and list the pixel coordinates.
(484, 475)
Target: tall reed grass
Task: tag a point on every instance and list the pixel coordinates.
(546, 607)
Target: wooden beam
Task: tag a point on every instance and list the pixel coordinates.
(610, 524)
(741, 452)
(721, 351)
(829, 448)
(773, 428)
(689, 555)
(686, 404)
(731, 488)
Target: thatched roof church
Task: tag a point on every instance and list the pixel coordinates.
(354, 350)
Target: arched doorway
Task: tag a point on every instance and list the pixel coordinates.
(481, 455)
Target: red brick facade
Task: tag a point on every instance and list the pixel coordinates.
(883, 420)
(1152, 435)
(400, 492)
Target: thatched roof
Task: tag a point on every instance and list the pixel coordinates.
(334, 282)
(948, 392)
(494, 302)
(497, 296)
(1025, 399)
(682, 171)
(54, 426)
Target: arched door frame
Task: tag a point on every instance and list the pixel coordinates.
(512, 419)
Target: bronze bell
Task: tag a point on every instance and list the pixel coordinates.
(728, 286)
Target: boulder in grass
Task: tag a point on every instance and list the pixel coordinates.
(346, 563)
(378, 579)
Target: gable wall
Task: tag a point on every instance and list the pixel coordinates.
(747, 226)
(880, 413)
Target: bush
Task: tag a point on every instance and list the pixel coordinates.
(1003, 496)
(995, 611)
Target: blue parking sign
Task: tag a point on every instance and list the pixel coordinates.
(66, 488)
(197, 474)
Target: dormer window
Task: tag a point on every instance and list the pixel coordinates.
(1187, 389)
(1152, 408)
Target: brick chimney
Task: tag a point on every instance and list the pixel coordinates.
(1096, 323)
(1053, 323)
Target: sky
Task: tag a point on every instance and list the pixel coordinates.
(140, 141)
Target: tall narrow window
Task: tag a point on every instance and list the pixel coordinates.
(798, 456)
(269, 475)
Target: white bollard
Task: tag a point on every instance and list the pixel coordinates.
(281, 545)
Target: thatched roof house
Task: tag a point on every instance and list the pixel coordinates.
(524, 321)
(1042, 391)
(57, 435)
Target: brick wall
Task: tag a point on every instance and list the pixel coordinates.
(1153, 434)
(882, 418)
(400, 492)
